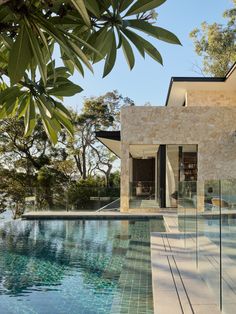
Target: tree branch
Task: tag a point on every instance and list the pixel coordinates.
(4, 1)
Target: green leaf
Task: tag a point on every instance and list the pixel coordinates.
(56, 73)
(3, 57)
(80, 6)
(30, 117)
(135, 40)
(48, 106)
(93, 7)
(111, 56)
(9, 94)
(65, 89)
(69, 64)
(100, 41)
(10, 104)
(62, 41)
(65, 122)
(146, 46)
(167, 36)
(151, 50)
(82, 56)
(81, 41)
(38, 55)
(50, 128)
(62, 108)
(144, 5)
(128, 52)
(124, 4)
(20, 56)
(115, 4)
(23, 104)
(155, 31)
(8, 42)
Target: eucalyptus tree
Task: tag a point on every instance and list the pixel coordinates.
(98, 113)
(216, 44)
(82, 32)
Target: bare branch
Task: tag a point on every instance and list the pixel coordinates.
(4, 1)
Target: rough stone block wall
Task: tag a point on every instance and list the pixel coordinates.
(211, 128)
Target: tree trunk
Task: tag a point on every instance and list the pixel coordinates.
(84, 176)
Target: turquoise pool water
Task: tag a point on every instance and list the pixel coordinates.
(55, 267)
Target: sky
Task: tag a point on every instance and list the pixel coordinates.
(148, 82)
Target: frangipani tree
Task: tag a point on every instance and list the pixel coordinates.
(86, 32)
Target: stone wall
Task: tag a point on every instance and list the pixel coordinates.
(210, 128)
(211, 98)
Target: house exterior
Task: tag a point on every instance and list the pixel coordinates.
(168, 152)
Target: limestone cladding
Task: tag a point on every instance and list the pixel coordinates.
(211, 128)
(211, 98)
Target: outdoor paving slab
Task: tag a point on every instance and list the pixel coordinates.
(177, 285)
(205, 309)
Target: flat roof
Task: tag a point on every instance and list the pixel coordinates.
(179, 85)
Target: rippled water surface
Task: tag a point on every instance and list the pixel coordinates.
(54, 267)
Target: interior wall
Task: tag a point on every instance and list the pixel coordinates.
(144, 170)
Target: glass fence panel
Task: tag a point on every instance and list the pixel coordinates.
(209, 237)
(143, 194)
(228, 234)
(74, 198)
(207, 216)
(187, 204)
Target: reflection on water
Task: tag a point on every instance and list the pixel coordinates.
(75, 266)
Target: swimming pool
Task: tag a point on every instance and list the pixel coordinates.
(93, 266)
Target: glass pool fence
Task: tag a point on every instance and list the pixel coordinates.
(56, 198)
(207, 217)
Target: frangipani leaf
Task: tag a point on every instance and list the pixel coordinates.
(37, 52)
(155, 31)
(93, 7)
(144, 5)
(128, 52)
(80, 6)
(50, 128)
(135, 40)
(124, 4)
(20, 56)
(30, 117)
(111, 56)
(23, 104)
(65, 89)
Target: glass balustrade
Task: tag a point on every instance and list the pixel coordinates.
(207, 217)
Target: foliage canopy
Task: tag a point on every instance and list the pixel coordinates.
(85, 32)
(216, 44)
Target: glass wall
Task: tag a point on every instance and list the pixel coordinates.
(181, 175)
(172, 175)
(163, 176)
